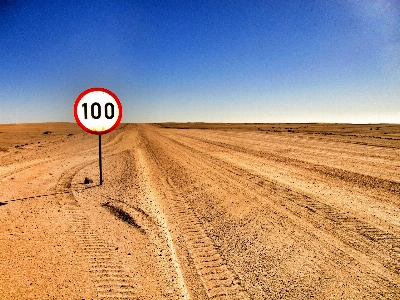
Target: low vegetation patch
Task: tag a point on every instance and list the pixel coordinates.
(121, 214)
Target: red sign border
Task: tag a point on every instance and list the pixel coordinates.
(97, 89)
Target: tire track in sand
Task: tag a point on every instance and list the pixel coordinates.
(108, 276)
(218, 280)
(342, 222)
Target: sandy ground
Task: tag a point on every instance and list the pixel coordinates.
(200, 211)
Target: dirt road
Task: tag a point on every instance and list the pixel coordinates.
(200, 214)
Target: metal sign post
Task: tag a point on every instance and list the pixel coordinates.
(100, 165)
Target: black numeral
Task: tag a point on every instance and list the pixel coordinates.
(95, 104)
(112, 110)
(95, 110)
(85, 109)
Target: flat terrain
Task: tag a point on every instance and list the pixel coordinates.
(200, 211)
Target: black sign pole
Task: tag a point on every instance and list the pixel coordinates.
(101, 169)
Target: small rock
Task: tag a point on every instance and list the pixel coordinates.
(87, 180)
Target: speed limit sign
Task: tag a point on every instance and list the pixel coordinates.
(98, 111)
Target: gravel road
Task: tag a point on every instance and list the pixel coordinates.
(199, 214)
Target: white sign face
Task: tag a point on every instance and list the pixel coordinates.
(98, 110)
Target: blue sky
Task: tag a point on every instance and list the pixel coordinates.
(211, 61)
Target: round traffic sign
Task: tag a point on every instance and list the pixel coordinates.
(97, 110)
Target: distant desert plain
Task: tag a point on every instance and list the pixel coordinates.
(200, 211)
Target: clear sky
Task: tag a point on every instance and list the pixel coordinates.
(211, 61)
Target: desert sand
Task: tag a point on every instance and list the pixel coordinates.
(200, 211)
